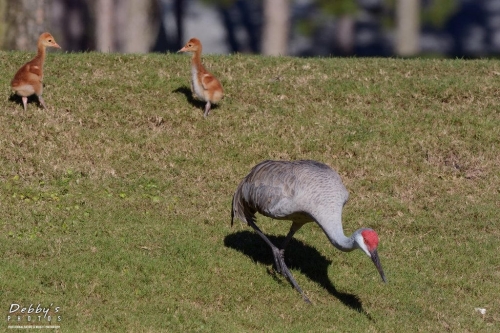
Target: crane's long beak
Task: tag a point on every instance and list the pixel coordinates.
(376, 261)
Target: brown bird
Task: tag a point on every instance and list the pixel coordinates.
(203, 84)
(29, 78)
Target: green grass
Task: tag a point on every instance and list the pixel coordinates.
(115, 201)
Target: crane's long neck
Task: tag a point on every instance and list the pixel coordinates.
(332, 226)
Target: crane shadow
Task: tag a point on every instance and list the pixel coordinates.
(193, 101)
(31, 99)
(299, 256)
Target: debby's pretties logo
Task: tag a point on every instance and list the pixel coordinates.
(34, 314)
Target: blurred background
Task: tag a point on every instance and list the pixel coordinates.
(443, 28)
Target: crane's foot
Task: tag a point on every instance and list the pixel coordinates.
(281, 267)
(279, 259)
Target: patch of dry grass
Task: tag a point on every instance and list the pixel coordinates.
(115, 202)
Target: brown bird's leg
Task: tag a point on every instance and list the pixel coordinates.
(207, 109)
(42, 102)
(25, 102)
(279, 260)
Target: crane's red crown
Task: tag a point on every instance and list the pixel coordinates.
(371, 239)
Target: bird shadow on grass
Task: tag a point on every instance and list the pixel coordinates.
(299, 256)
(31, 99)
(193, 101)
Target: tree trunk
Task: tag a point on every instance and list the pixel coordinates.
(25, 21)
(104, 10)
(276, 27)
(3, 24)
(129, 26)
(139, 25)
(407, 27)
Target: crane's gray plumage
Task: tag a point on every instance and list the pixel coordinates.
(300, 191)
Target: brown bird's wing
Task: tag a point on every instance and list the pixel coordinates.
(208, 81)
(27, 82)
(212, 88)
(34, 69)
(29, 73)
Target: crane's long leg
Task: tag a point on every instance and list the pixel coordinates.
(279, 259)
(293, 229)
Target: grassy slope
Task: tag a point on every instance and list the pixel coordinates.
(115, 202)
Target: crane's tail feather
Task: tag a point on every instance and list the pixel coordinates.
(240, 210)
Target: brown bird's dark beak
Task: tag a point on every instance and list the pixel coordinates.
(376, 261)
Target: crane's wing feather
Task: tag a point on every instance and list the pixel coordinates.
(289, 190)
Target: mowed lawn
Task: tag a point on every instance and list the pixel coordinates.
(115, 202)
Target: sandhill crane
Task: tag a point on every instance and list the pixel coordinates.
(301, 191)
